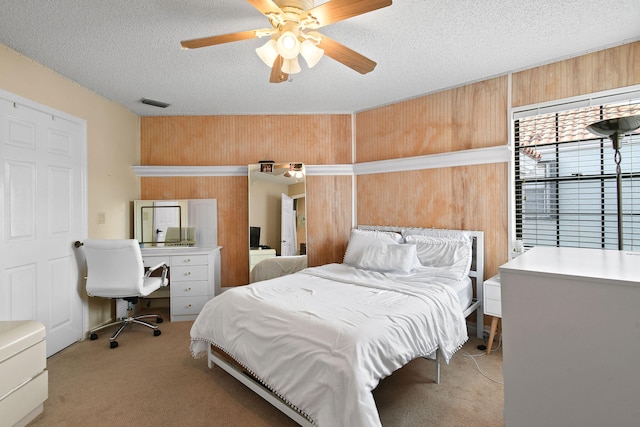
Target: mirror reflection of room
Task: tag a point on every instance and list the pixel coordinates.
(159, 223)
(277, 211)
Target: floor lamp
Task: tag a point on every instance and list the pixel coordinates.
(615, 129)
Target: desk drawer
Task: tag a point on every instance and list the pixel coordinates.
(22, 366)
(188, 289)
(189, 273)
(187, 305)
(493, 307)
(25, 400)
(178, 260)
(492, 292)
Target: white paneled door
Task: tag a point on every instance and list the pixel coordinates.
(287, 227)
(42, 173)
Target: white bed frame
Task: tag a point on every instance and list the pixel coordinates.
(476, 273)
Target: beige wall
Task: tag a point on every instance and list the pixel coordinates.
(113, 145)
(265, 207)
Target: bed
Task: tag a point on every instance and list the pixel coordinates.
(315, 343)
(278, 266)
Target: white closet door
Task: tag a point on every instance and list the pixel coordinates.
(287, 227)
(41, 207)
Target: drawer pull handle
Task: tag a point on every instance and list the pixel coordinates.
(188, 289)
(188, 306)
(187, 260)
(188, 273)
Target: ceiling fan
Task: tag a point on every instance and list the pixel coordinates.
(292, 34)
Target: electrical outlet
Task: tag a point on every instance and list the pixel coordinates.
(101, 218)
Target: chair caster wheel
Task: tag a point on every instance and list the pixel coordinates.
(159, 320)
(93, 336)
(113, 344)
(156, 332)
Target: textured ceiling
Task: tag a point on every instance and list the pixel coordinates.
(126, 50)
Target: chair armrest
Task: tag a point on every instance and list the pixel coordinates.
(155, 267)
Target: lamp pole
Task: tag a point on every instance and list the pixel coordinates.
(616, 129)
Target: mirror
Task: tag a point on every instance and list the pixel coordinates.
(159, 223)
(277, 210)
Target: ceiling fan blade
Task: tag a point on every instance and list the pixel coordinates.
(277, 76)
(344, 55)
(266, 7)
(339, 10)
(224, 38)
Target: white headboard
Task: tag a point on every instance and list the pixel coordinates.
(477, 264)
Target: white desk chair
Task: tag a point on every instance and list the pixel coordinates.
(115, 270)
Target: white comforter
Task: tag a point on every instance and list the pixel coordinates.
(324, 344)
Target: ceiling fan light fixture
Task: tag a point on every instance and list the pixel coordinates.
(293, 22)
(291, 66)
(268, 52)
(311, 53)
(295, 171)
(288, 45)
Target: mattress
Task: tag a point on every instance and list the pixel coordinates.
(464, 291)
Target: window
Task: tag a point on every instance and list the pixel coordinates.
(565, 177)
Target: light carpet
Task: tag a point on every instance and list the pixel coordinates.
(154, 381)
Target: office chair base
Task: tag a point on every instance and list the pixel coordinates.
(130, 320)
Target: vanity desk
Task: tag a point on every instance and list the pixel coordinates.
(183, 234)
(194, 277)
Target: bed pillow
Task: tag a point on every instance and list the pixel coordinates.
(454, 253)
(437, 232)
(397, 236)
(388, 258)
(362, 239)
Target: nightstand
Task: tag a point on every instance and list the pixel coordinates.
(492, 305)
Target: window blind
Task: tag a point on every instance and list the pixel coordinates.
(565, 178)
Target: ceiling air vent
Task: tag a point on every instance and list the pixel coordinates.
(154, 103)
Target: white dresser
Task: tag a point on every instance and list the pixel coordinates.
(23, 371)
(571, 338)
(194, 277)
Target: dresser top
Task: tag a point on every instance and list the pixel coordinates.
(17, 335)
(622, 267)
(177, 250)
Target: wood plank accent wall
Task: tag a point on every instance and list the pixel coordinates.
(233, 215)
(595, 72)
(329, 214)
(460, 198)
(472, 116)
(240, 140)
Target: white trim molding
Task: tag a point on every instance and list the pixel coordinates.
(320, 170)
(167, 171)
(477, 156)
